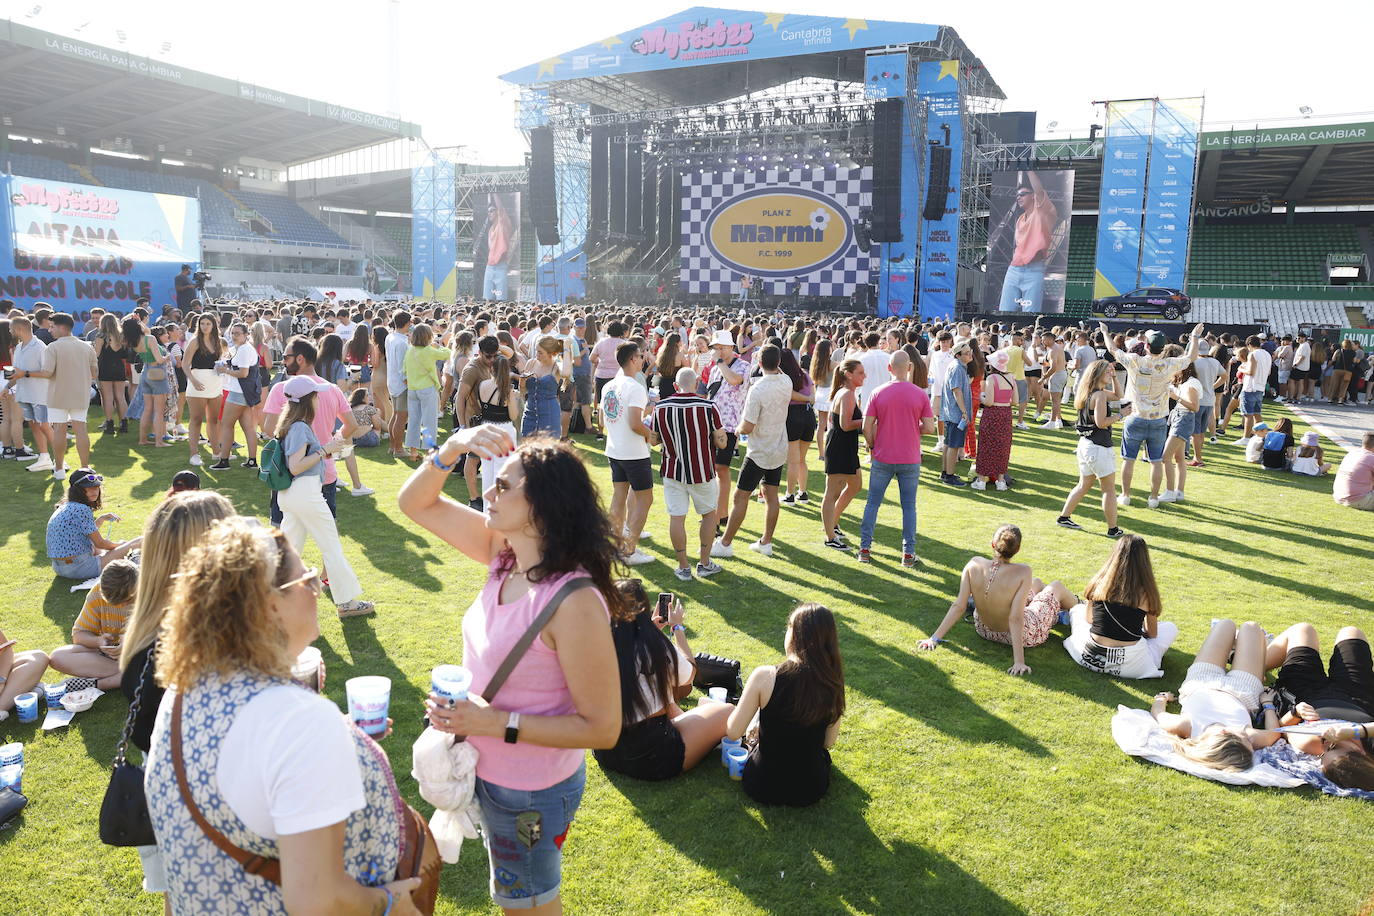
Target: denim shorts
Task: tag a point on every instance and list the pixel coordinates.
(1251, 402)
(954, 436)
(1204, 418)
(1151, 433)
(82, 568)
(33, 412)
(236, 397)
(1182, 423)
(524, 830)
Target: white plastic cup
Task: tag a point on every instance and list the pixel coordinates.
(26, 707)
(12, 753)
(726, 745)
(719, 694)
(53, 694)
(369, 699)
(307, 667)
(737, 756)
(450, 682)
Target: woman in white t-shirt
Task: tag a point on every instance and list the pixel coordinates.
(1186, 390)
(273, 768)
(657, 739)
(238, 374)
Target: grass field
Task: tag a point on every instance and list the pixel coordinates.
(957, 788)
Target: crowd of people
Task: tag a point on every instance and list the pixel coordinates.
(202, 616)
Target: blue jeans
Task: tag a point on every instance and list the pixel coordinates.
(523, 830)
(1138, 431)
(423, 406)
(1023, 288)
(494, 282)
(369, 439)
(879, 476)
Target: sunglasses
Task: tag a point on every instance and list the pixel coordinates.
(88, 480)
(1024, 193)
(310, 579)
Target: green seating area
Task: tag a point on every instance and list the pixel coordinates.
(1266, 253)
(398, 230)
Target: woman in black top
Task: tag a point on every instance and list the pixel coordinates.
(799, 704)
(1096, 460)
(843, 478)
(1117, 630)
(112, 355)
(1342, 370)
(1280, 458)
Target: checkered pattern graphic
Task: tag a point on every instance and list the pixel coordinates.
(703, 191)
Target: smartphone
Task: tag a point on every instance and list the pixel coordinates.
(665, 601)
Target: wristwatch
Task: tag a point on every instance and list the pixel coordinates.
(513, 728)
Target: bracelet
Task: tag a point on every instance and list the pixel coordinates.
(446, 468)
(1269, 706)
(679, 628)
(390, 899)
(935, 639)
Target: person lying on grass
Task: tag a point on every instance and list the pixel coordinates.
(1216, 705)
(1009, 604)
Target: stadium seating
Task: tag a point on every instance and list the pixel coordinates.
(1254, 253)
(1284, 316)
(216, 210)
(31, 166)
(290, 223)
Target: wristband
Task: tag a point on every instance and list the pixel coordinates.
(935, 639)
(1269, 706)
(678, 628)
(390, 899)
(446, 468)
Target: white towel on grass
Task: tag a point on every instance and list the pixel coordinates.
(1137, 733)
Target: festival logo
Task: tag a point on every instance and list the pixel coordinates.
(64, 201)
(711, 40)
(778, 232)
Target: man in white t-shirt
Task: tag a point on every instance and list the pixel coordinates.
(1211, 374)
(624, 402)
(941, 361)
(764, 421)
(874, 360)
(1257, 366)
(1303, 377)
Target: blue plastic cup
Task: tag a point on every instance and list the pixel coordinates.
(737, 757)
(369, 699)
(26, 707)
(450, 682)
(53, 694)
(12, 777)
(11, 754)
(726, 745)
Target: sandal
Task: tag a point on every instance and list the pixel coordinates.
(355, 608)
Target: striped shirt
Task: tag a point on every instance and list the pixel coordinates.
(102, 618)
(686, 423)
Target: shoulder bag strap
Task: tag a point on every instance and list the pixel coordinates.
(132, 718)
(269, 869)
(522, 645)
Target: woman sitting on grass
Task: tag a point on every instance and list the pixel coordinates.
(1310, 459)
(1117, 630)
(1009, 604)
(657, 739)
(1213, 724)
(799, 704)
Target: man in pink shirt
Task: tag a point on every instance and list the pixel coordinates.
(331, 408)
(1354, 486)
(895, 418)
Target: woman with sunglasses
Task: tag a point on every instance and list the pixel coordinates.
(76, 547)
(273, 768)
(544, 375)
(544, 526)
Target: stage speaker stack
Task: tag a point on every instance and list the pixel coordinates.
(543, 192)
(620, 149)
(634, 187)
(887, 170)
(937, 186)
(600, 179)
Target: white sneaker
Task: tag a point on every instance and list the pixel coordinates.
(362, 491)
(1048, 424)
(981, 484)
(1167, 497)
(638, 558)
(44, 463)
(1001, 484)
(722, 550)
(1022, 425)
(1122, 501)
(195, 461)
(761, 547)
(1242, 440)
(59, 474)
(1152, 502)
(1178, 496)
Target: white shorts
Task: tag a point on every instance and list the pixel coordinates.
(210, 381)
(1095, 460)
(1141, 659)
(1242, 685)
(76, 415)
(677, 495)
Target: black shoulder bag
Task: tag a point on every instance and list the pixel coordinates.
(124, 817)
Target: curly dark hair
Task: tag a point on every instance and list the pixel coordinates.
(566, 510)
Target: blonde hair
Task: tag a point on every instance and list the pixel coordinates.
(1219, 750)
(219, 619)
(175, 524)
(422, 335)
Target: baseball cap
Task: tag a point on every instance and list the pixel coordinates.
(298, 386)
(186, 480)
(1156, 341)
(1261, 427)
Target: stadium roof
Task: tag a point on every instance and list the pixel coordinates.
(703, 55)
(51, 85)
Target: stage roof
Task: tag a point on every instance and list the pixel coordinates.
(95, 94)
(703, 55)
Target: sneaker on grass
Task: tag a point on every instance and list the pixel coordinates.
(355, 608)
(638, 558)
(761, 547)
(721, 549)
(708, 569)
(73, 684)
(1065, 522)
(684, 574)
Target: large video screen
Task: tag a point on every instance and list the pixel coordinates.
(496, 246)
(1028, 240)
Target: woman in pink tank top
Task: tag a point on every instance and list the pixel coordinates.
(543, 526)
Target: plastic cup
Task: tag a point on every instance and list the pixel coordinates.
(737, 757)
(26, 707)
(12, 777)
(11, 754)
(369, 698)
(719, 694)
(307, 668)
(53, 694)
(450, 682)
(726, 746)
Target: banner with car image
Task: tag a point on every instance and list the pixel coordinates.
(1028, 240)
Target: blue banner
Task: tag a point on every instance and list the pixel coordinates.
(886, 77)
(1169, 193)
(1125, 158)
(703, 35)
(434, 231)
(77, 246)
(938, 84)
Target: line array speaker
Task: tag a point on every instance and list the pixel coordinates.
(543, 192)
(937, 187)
(887, 170)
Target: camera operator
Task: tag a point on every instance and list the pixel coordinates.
(185, 287)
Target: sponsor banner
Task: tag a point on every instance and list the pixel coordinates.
(1125, 158)
(704, 35)
(76, 246)
(434, 235)
(1271, 138)
(938, 83)
(1169, 193)
(495, 245)
(1362, 336)
(783, 227)
(1235, 209)
(1028, 240)
(886, 77)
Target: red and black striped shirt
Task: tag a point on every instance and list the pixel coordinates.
(686, 423)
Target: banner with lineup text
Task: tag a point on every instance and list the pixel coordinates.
(938, 84)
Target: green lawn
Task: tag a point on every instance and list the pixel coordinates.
(957, 789)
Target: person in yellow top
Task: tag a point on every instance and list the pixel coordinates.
(1016, 368)
(422, 387)
(93, 657)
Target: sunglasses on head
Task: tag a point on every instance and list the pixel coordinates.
(1024, 193)
(88, 480)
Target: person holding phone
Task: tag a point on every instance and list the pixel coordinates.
(93, 657)
(658, 740)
